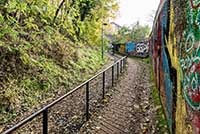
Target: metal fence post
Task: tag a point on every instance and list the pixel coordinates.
(121, 64)
(45, 121)
(87, 101)
(118, 70)
(124, 62)
(112, 75)
(103, 85)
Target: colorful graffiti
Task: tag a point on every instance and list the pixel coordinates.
(175, 52)
(142, 48)
(162, 65)
(139, 49)
(190, 57)
(130, 46)
(190, 62)
(195, 4)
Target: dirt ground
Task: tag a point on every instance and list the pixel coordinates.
(130, 109)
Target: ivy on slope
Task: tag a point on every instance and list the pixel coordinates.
(46, 46)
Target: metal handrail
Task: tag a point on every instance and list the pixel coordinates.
(44, 110)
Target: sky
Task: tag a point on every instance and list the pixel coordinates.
(132, 11)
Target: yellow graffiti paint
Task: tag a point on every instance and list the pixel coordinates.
(122, 49)
(181, 127)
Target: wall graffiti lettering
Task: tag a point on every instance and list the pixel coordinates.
(194, 5)
(175, 47)
(139, 49)
(142, 48)
(191, 84)
(190, 57)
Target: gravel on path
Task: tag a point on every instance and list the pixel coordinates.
(130, 109)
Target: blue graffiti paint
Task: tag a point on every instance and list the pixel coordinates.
(166, 67)
(130, 46)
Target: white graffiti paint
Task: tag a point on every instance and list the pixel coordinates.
(189, 42)
(197, 21)
(142, 48)
(190, 58)
(188, 66)
(189, 61)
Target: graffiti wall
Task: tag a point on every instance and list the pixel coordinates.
(139, 49)
(190, 62)
(130, 46)
(175, 52)
(142, 47)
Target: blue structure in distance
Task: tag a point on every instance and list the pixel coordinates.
(130, 47)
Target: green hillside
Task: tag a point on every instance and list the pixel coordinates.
(47, 46)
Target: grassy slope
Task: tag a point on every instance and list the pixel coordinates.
(42, 78)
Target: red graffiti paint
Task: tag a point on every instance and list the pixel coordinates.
(194, 6)
(197, 68)
(195, 96)
(196, 120)
(189, 61)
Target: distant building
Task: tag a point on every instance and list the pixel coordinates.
(115, 27)
(113, 30)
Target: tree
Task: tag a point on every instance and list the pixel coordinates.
(135, 32)
(43, 43)
(139, 32)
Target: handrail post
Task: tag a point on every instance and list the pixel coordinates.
(103, 85)
(45, 121)
(124, 62)
(117, 70)
(121, 68)
(112, 75)
(87, 101)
